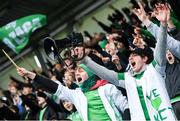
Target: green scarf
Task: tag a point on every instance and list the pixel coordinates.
(91, 81)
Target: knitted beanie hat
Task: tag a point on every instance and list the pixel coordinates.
(88, 71)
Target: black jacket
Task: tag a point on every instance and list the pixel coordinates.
(173, 79)
(49, 114)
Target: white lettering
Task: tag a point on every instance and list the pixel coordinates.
(19, 31)
(12, 24)
(36, 23)
(27, 26)
(12, 35)
(8, 43)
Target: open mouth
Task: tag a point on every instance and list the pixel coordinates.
(169, 57)
(79, 79)
(68, 106)
(133, 64)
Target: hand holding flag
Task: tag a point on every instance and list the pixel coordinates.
(21, 71)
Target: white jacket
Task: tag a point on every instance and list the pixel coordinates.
(155, 96)
(108, 93)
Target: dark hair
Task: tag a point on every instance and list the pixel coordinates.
(144, 52)
(41, 94)
(64, 109)
(27, 85)
(30, 100)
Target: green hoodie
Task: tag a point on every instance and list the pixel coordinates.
(91, 81)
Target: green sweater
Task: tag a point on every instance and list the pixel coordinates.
(96, 110)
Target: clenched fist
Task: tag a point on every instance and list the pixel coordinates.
(25, 73)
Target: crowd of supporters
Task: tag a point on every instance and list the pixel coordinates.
(129, 72)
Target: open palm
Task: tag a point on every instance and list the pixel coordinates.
(161, 12)
(140, 13)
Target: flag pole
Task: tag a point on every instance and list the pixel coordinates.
(10, 59)
(13, 62)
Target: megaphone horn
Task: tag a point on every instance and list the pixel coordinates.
(51, 48)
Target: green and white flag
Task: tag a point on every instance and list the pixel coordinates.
(16, 34)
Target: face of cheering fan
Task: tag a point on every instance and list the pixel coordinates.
(68, 106)
(12, 87)
(110, 48)
(69, 64)
(27, 90)
(139, 42)
(80, 75)
(69, 78)
(137, 62)
(170, 58)
(41, 101)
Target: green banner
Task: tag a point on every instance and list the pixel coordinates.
(16, 34)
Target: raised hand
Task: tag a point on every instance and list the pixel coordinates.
(140, 13)
(22, 71)
(161, 12)
(115, 59)
(79, 53)
(25, 73)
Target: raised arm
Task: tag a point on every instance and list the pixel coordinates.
(51, 86)
(172, 44)
(161, 45)
(103, 72)
(48, 84)
(162, 13)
